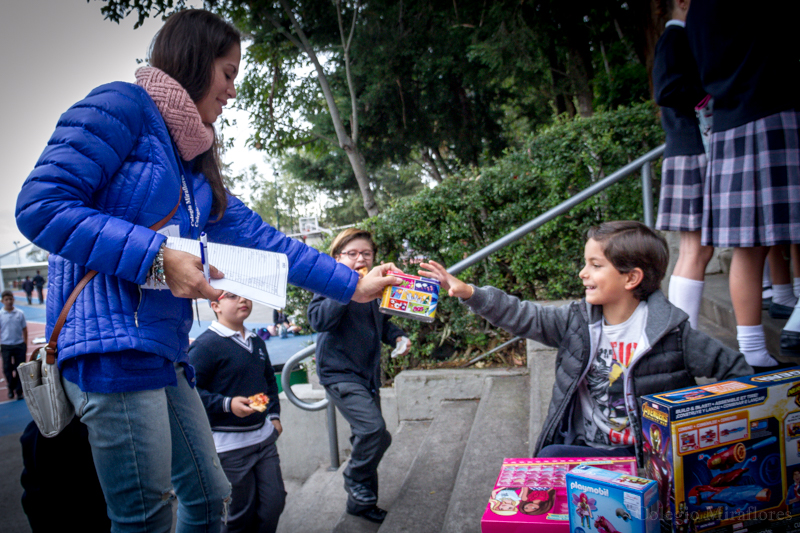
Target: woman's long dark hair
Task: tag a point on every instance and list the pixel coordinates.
(186, 49)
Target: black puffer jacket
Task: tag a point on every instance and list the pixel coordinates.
(669, 355)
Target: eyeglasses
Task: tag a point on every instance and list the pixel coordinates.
(228, 296)
(352, 254)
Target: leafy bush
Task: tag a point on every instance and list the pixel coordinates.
(468, 212)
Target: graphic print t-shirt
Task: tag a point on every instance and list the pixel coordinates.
(602, 392)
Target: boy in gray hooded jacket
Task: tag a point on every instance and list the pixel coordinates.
(622, 341)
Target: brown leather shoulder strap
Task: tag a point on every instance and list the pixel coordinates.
(52, 349)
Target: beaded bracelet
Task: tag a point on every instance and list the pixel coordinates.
(156, 273)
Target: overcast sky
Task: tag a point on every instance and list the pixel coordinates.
(54, 52)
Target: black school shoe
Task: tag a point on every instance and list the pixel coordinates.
(790, 343)
(779, 310)
(361, 494)
(373, 514)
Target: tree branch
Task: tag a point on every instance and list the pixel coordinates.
(350, 84)
(345, 142)
(260, 117)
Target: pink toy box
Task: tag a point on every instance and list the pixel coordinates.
(531, 494)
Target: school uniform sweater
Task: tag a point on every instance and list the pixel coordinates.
(677, 89)
(747, 56)
(226, 368)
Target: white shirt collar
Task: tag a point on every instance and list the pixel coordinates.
(675, 22)
(224, 331)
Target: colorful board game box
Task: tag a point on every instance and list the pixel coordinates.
(531, 494)
(415, 297)
(726, 455)
(611, 502)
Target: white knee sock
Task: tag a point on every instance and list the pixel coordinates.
(796, 286)
(685, 294)
(754, 346)
(793, 324)
(784, 295)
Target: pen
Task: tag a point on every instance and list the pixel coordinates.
(204, 256)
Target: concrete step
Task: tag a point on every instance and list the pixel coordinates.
(392, 472)
(500, 430)
(422, 502)
(317, 505)
(718, 308)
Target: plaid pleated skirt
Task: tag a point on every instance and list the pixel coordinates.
(752, 190)
(680, 204)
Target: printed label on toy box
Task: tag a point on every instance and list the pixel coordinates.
(651, 412)
(508, 501)
(633, 503)
(726, 403)
(706, 391)
(712, 432)
(777, 376)
(414, 297)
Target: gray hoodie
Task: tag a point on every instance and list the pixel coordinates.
(669, 355)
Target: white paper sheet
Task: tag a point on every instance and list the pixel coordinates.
(257, 275)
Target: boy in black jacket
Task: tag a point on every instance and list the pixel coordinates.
(349, 367)
(232, 364)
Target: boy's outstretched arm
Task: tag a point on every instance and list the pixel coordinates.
(546, 324)
(454, 286)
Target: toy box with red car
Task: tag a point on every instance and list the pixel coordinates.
(726, 455)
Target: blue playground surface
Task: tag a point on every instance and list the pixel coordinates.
(14, 416)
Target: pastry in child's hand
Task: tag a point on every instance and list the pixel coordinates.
(259, 402)
(363, 271)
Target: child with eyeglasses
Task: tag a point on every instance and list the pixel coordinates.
(349, 367)
(232, 364)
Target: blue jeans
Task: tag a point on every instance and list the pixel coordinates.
(149, 446)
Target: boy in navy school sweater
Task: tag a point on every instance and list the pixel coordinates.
(232, 364)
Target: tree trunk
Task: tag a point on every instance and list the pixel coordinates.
(434, 170)
(345, 141)
(360, 170)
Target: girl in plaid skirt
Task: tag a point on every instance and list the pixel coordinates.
(677, 89)
(752, 193)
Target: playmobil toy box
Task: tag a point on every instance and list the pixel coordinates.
(531, 494)
(611, 502)
(415, 297)
(726, 455)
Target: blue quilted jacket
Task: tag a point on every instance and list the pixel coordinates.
(109, 172)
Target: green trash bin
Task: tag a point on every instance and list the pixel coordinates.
(298, 376)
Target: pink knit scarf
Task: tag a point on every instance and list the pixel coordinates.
(179, 111)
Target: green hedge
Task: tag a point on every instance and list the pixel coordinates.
(467, 212)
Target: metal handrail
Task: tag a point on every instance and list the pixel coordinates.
(642, 163)
(565, 206)
(286, 375)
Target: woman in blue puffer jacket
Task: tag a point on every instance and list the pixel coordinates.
(118, 162)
